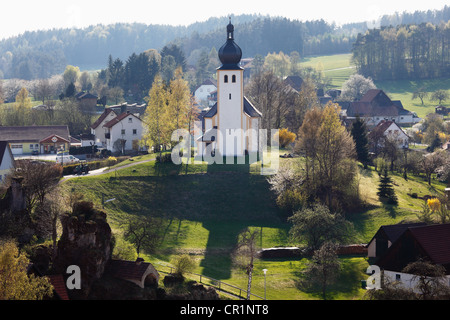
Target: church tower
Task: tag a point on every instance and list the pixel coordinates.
(230, 94)
(226, 125)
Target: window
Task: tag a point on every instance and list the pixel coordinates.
(31, 146)
(233, 78)
(36, 146)
(229, 96)
(397, 277)
(225, 79)
(130, 120)
(134, 131)
(123, 131)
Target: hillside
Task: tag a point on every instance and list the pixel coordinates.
(205, 207)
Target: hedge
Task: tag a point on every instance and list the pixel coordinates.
(93, 165)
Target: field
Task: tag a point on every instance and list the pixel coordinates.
(339, 68)
(205, 207)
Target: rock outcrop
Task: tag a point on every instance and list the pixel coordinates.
(86, 243)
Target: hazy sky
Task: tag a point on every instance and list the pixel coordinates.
(18, 16)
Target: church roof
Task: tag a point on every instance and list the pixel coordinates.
(230, 53)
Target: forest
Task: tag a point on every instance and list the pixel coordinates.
(404, 52)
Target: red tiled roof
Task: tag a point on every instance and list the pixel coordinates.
(128, 269)
(59, 286)
(101, 118)
(435, 240)
(117, 119)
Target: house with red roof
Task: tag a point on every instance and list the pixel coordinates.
(138, 272)
(118, 131)
(428, 242)
(390, 130)
(375, 106)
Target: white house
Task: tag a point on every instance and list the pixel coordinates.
(392, 131)
(6, 160)
(231, 125)
(97, 129)
(375, 106)
(123, 133)
(203, 92)
(428, 242)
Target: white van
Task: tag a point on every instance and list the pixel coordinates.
(69, 159)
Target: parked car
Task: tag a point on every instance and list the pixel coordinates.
(34, 152)
(67, 159)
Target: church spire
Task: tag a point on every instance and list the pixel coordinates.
(230, 31)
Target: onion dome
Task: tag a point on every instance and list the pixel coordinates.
(230, 54)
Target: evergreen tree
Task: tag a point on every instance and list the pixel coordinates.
(359, 134)
(386, 192)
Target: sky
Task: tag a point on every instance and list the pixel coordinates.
(18, 16)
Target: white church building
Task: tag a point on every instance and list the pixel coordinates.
(231, 126)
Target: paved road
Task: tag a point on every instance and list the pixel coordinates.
(104, 170)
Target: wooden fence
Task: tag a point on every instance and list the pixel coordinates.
(211, 282)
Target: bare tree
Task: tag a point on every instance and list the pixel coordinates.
(245, 253)
(42, 90)
(356, 87)
(39, 179)
(323, 268)
(143, 232)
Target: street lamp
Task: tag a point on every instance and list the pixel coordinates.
(265, 271)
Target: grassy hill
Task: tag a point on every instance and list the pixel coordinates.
(205, 207)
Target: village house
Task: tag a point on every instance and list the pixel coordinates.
(36, 139)
(118, 132)
(87, 101)
(392, 131)
(396, 246)
(138, 272)
(6, 161)
(375, 106)
(203, 92)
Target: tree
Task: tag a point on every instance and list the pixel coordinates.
(439, 95)
(48, 214)
(420, 94)
(316, 225)
(143, 232)
(430, 278)
(15, 284)
(324, 267)
(431, 162)
(286, 137)
(178, 100)
(328, 149)
(71, 75)
(157, 130)
(43, 90)
(245, 253)
(39, 179)
(359, 134)
(356, 87)
(386, 192)
(22, 108)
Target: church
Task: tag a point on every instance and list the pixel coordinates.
(231, 126)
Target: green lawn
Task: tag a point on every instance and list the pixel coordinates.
(403, 90)
(205, 207)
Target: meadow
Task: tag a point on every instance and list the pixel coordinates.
(205, 207)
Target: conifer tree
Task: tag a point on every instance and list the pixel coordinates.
(359, 134)
(386, 192)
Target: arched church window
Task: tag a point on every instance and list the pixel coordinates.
(225, 79)
(233, 78)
